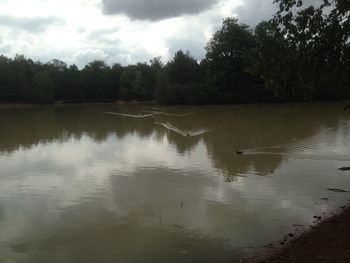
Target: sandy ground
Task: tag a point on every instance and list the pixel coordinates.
(328, 241)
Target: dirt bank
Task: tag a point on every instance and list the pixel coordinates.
(328, 241)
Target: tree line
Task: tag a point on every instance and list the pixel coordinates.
(300, 54)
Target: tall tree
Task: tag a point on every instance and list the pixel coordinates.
(43, 87)
(272, 61)
(319, 36)
(96, 81)
(182, 80)
(183, 69)
(226, 61)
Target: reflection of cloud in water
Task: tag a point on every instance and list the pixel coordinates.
(81, 188)
(79, 167)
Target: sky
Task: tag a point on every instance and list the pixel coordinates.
(117, 31)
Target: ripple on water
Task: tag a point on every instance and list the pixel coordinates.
(328, 144)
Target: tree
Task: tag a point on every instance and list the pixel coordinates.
(21, 74)
(138, 82)
(43, 87)
(226, 61)
(181, 81)
(271, 60)
(7, 94)
(183, 69)
(319, 36)
(114, 78)
(96, 81)
(75, 85)
(58, 73)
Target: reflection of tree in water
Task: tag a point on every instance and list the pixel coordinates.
(2, 212)
(183, 145)
(250, 127)
(30, 126)
(22, 127)
(230, 128)
(259, 126)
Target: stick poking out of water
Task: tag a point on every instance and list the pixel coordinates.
(172, 114)
(337, 190)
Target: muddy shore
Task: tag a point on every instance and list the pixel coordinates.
(327, 241)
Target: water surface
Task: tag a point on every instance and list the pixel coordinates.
(108, 183)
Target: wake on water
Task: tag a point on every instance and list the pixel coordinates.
(323, 146)
(171, 127)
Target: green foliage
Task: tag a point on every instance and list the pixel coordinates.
(318, 36)
(138, 82)
(183, 69)
(181, 81)
(43, 87)
(270, 60)
(226, 59)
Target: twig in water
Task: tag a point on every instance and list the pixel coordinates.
(337, 190)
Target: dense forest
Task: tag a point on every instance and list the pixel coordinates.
(301, 54)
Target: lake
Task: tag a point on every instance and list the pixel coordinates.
(147, 183)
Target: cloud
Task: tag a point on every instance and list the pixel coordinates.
(154, 10)
(83, 57)
(101, 33)
(4, 48)
(194, 44)
(127, 55)
(1, 38)
(252, 12)
(32, 24)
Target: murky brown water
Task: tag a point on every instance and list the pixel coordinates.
(108, 183)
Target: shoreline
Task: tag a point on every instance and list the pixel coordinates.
(136, 102)
(58, 104)
(328, 240)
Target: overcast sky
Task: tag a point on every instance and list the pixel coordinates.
(123, 31)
